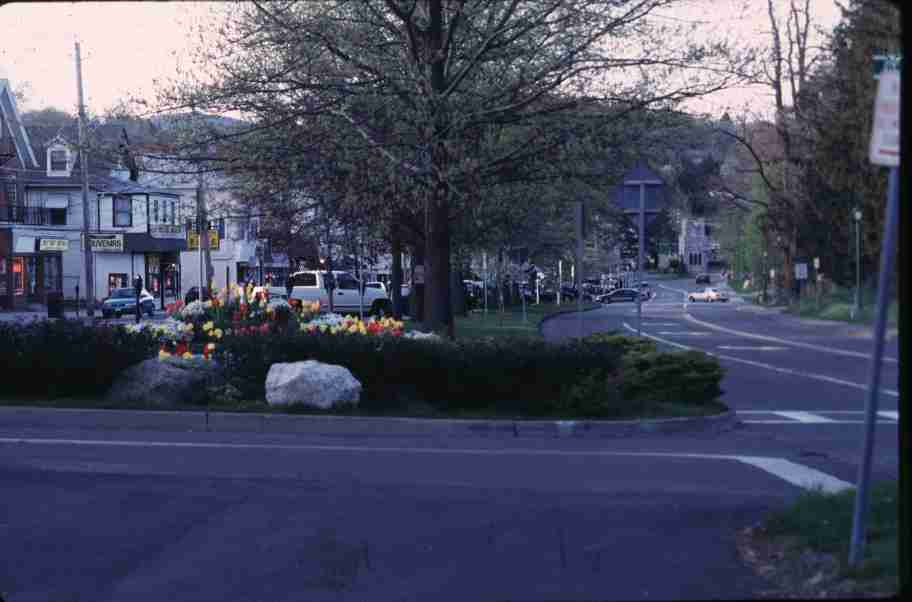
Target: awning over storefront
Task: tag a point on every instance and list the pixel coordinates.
(144, 243)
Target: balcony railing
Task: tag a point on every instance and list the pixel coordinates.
(30, 216)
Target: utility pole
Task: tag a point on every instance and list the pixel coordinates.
(642, 223)
(84, 169)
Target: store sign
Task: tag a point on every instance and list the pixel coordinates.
(170, 229)
(53, 244)
(193, 240)
(105, 243)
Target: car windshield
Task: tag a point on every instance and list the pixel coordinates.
(123, 293)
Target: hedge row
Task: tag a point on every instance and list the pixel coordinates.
(66, 357)
(520, 375)
(601, 375)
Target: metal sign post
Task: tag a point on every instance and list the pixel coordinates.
(884, 151)
(578, 273)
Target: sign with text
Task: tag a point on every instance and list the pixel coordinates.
(104, 243)
(885, 134)
(166, 229)
(193, 240)
(801, 271)
(53, 244)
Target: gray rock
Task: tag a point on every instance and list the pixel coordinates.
(166, 382)
(311, 383)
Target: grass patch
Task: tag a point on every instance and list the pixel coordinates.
(510, 322)
(823, 522)
(838, 305)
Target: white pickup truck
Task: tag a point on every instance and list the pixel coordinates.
(708, 294)
(310, 285)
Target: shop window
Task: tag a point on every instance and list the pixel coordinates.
(123, 211)
(155, 211)
(117, 281)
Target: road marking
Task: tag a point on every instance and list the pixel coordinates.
(799, 474)
(893, 415)
(811, 375)
(763, 337)
(750, 348)
(796, 474)
(682, 332)
(804, 417)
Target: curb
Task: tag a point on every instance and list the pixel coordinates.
(561, 312)
(234, 422)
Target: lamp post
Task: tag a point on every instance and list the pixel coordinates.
(856, 213)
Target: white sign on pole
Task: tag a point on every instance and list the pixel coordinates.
(885, 134)
(816, 263)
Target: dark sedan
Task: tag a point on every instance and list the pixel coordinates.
(703, 279)
(122, 301)
(623, 294)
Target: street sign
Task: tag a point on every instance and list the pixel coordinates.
(885, 134)
(816, 263)
(193, 240)
(801, 271)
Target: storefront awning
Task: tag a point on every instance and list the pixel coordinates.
(144, 243)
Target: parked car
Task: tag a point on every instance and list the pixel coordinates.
(310, 286)
(707, 294)
(623, 294)
(123, 301)
(193, 295)
(703, 279)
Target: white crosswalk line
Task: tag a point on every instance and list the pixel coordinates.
(893, 415)
(804, 416)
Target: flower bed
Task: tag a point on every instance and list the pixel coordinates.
(200, 327)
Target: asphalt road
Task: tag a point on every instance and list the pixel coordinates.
(800, 395)
(123, 515)
(109, 512)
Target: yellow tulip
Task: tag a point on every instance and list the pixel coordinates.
(187, 355)
(218, 333)
(208, 326)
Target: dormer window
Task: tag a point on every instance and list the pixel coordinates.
(59, 160)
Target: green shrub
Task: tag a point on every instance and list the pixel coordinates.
(66, 357)
(518, 375)
(621, 343)
(679, 376)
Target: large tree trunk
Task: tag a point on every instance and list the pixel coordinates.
(437, 314)
(416, 291)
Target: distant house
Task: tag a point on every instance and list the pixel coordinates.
(41, 216)
(641, 179)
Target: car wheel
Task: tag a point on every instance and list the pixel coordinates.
(691, 299)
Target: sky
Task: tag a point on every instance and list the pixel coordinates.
(127, 47)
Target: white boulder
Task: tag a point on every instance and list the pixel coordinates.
(312, 383)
